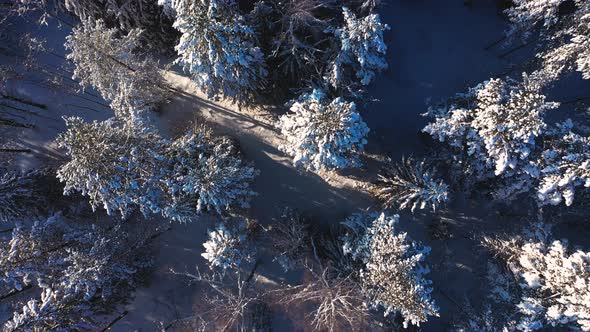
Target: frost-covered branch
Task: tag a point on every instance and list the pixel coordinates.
(565, 165)
(289, 237)
(20, 194)
(410, 184)
(232, 302)
(338, 302)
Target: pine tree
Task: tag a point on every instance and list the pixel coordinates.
(206, 173)
(122, 166)
(551, 283)
(492, 132)
(80, 271)
(219, 49)
(323, 134)
(130, 81)
(362, 50)
(392, 274)
(114, 163)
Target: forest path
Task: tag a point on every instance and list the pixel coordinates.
(168, 297)
(327, 197)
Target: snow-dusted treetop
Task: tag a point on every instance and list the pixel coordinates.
(392, 274)
(362, 50)
(218, 48)
(111, 64)
(499, 124)
(564, 165)
(206, 173)
(122, 166)
(526, 14)
(565, 33)
(227, 247)
(323, 134)
(552, 285)
(556, 286)
(493, 132)
(572, 45)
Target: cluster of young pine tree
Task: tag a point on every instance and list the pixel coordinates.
(498, 135)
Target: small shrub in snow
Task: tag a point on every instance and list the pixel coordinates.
(227, 247)
(289, 237)
(392, 274)
(410, 184)
(322, 134)
(122, 166)
(338, 302)
(109, 63)
(362, 50)
(553, 282)
(218, 48)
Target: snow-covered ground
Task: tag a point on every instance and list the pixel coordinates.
(436, 48)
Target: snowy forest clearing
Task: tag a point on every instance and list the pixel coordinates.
(427, 63)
